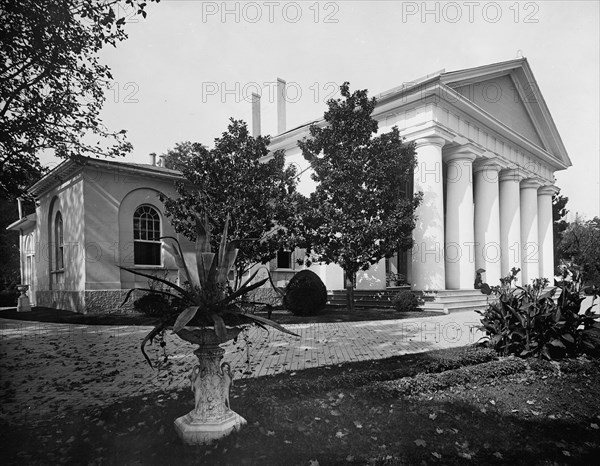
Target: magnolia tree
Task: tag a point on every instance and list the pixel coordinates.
(362, 209)
(239, 177)
(52, 82)
(580, 244)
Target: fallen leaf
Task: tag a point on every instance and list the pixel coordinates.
(432, 416)
(270, 433)
(358, 424)
(529, 402)
(339, 434)
(350, 458)
(465, 455)
(439, 431)
(566, 453)
(313, 463)
(594, 426)
(498, 455)
(335, 412)
(492, 402)
(420, 442)
(436, 454)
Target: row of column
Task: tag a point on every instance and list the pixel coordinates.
(495, 219)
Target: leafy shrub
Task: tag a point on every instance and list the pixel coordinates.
(450, 360)
(8, 297)
(406, 301)
(153, 305)
(433, 382)
(527, 321)
(305, 294)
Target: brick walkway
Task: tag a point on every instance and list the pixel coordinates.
(46, 369)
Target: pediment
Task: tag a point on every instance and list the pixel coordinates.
(508, 92)
(500, 98)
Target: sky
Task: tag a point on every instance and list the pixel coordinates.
(191, 65)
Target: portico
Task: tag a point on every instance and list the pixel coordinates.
(477, 213)
(487, 149)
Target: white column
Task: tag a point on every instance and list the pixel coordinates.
(529, 230)
(510, 222)
(488, 253)
(427, 272)
(545, 231)
(460, 240)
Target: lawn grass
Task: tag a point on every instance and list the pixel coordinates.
(540, 413)
(329, 314)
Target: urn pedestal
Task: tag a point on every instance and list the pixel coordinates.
(23, 304)
(212, 417)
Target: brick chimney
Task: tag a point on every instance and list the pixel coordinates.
(255, 115)
(280, 106)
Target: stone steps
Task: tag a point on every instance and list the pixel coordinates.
(444, 301)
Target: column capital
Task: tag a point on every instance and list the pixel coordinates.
(462, 152)
(512, 174)
(548, 190)
(430, 141)
(488, 165)
(530, 183)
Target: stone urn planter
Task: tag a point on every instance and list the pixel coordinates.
(23, 304)
(212, 417)
(203, 304)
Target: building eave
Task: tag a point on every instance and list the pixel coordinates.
(24, 223)
(69, 168)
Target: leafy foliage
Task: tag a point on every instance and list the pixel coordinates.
(527, 321)
(238, 177)
(360, 211)
(52, 83)
(580, 245)
(559, 224)
(429, 382)
(305, 294)
(153, 305)
(406, 301)
(208, 299)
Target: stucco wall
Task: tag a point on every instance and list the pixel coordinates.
(61, 288)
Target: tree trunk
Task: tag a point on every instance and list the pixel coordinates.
(350, 281)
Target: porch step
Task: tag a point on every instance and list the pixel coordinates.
(364, 298)
(447, 301)
(444, 301)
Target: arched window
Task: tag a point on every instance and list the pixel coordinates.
(59, 244)
(146, 236)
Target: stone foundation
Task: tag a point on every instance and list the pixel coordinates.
(108, 301)
(88, 302)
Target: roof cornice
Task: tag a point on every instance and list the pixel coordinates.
(69, 168)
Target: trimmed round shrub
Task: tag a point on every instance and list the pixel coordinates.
(406, 301)
(305, 294)
(153, 305)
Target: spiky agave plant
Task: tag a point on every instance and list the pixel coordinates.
(208, 298)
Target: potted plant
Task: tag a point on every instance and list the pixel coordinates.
(209, 313)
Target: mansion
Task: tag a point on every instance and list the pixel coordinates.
(487, 149)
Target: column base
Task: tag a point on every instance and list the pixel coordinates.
(195, 432)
